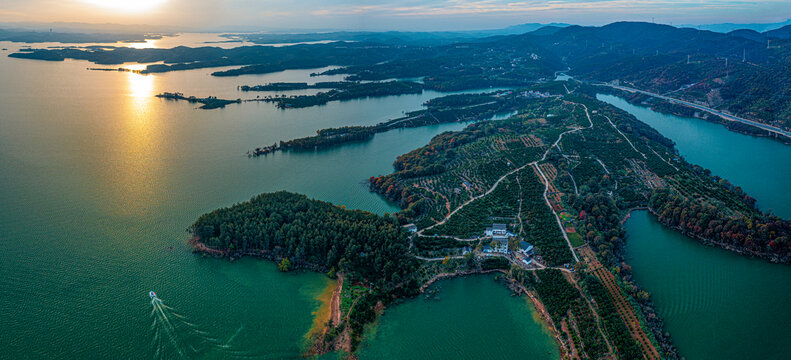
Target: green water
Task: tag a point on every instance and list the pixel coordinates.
(99, 180)
(716, 304)
(473, 318)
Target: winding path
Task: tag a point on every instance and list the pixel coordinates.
(494, 186)
(546, 189)
(546, 181)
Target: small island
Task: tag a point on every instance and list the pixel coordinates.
(210, 102)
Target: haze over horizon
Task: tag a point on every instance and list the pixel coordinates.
(409, 15)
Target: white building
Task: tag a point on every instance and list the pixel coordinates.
(500, 236)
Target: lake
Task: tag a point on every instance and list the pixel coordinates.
(100, 179)
(716, 304)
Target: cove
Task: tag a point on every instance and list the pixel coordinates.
(472, 318)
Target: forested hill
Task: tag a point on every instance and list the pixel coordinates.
(368, 249)
(743, 72)
(578, 42)
(312, 233)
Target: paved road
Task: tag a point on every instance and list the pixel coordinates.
(770, 128)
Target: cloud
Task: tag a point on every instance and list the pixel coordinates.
(4, 12)
(399, 14)
(462, 7)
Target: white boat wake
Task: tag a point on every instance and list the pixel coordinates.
(174, 336)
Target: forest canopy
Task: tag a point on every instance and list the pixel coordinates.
(315, 234)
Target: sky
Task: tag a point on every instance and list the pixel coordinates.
(388, 15)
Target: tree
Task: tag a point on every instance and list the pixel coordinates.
(285, 265)
(513, 244)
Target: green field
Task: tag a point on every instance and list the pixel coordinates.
(576, 239)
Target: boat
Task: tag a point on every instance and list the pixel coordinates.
(153, 295)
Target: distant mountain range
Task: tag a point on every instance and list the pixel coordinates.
(30, 36)
(744, 71)
(398, 37)
(519, 29)
(728, 27)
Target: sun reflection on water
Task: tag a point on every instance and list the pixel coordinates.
(148, 44)
(138, 175)
(141, 86)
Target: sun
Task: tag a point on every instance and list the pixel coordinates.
(126, 5)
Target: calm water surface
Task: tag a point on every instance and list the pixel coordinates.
(100, 179)
(716, 305)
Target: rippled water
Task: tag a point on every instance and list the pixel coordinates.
(716, 304)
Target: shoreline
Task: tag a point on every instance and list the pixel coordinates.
(712, 243)
(325, 319)
(322, 313)
(543, 315)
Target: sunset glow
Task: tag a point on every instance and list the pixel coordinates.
(129, 6)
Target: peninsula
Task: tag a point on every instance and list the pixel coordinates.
(539, 197)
